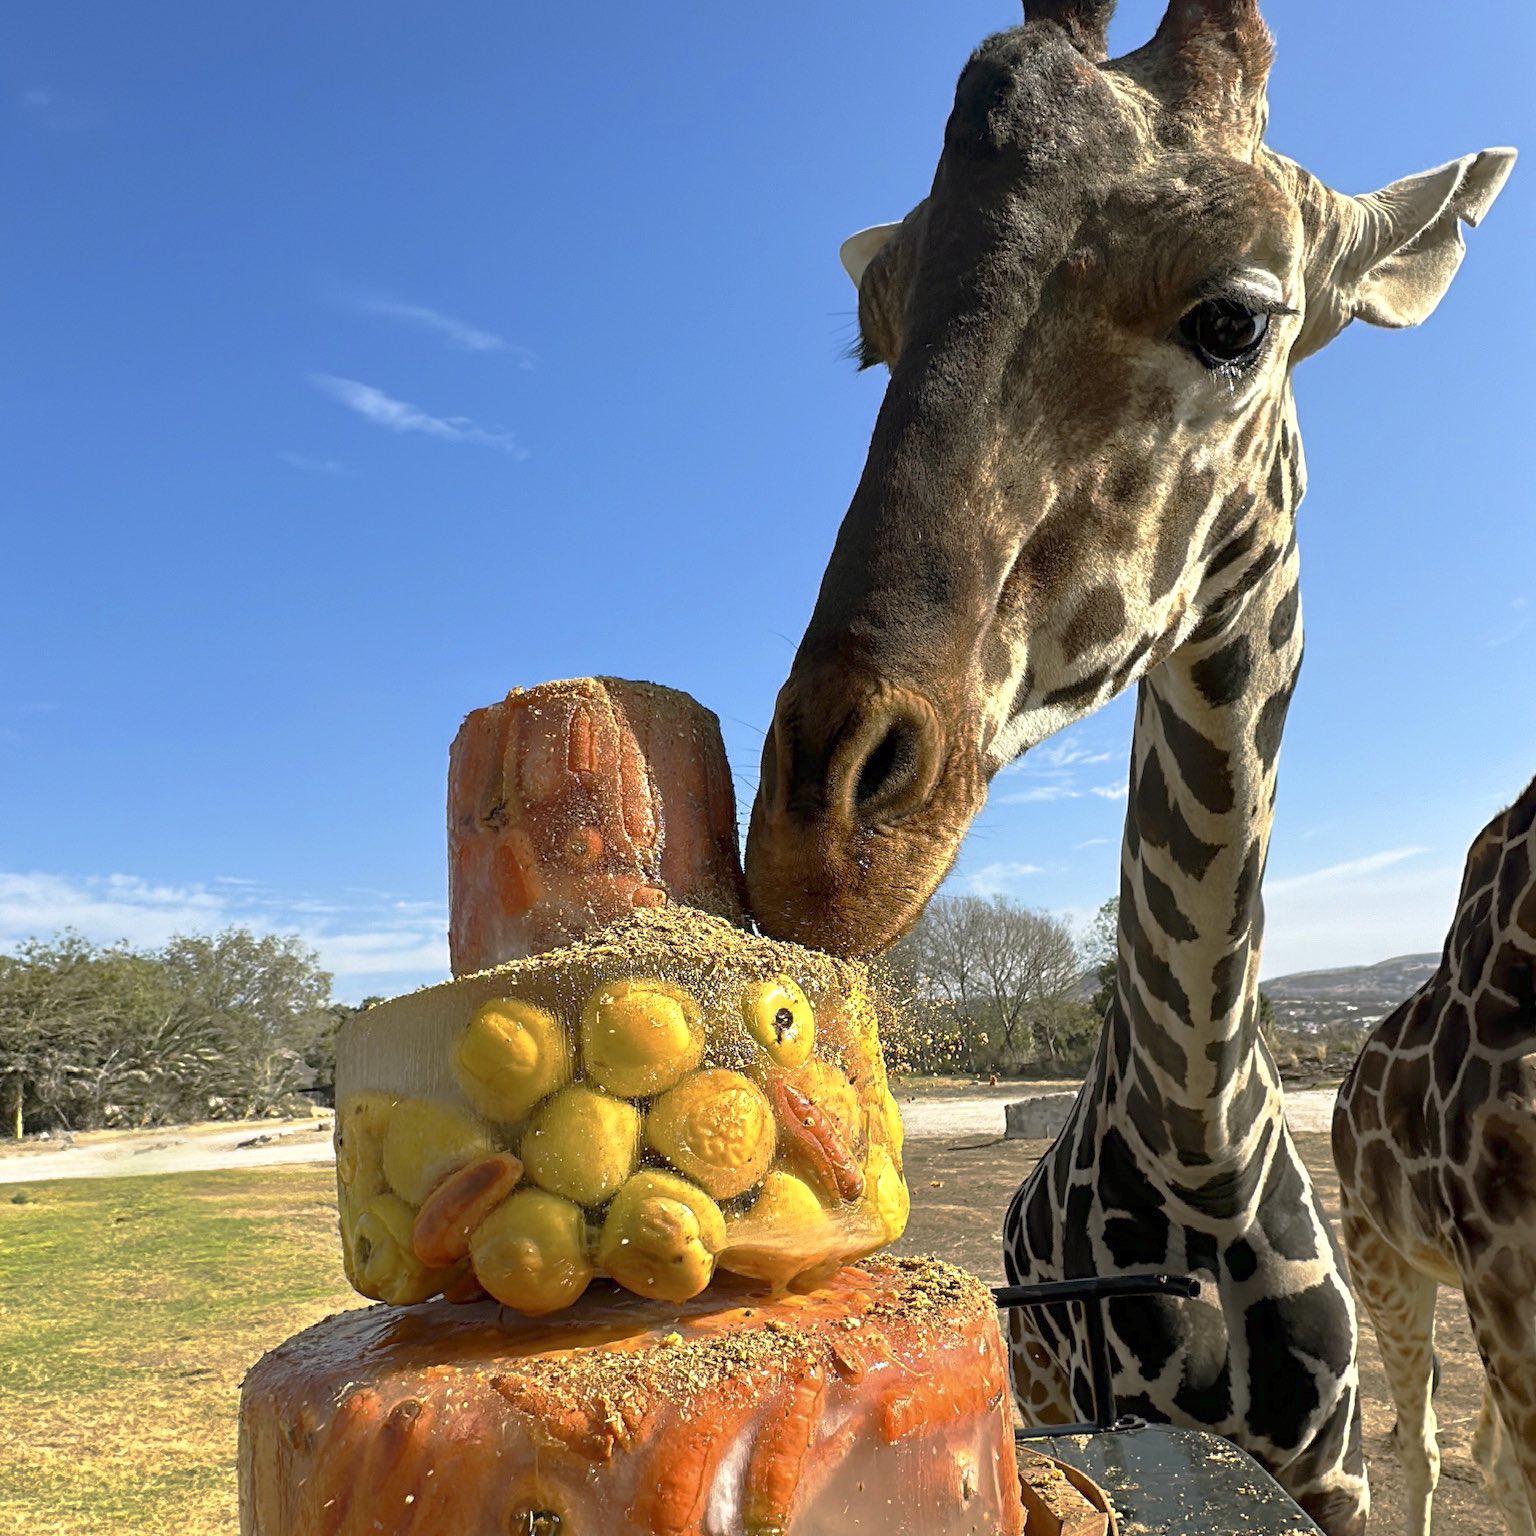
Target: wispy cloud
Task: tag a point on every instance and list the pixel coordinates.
(1057, 770)
(457, 333)
(368, 941)
(310, 465)
(1518, 620)
(1395, 902)
(998, 879)
(1092, 842)
(1057, 755)
(1349, 869)
(48, 108)
(401, 416)
(1039, 794)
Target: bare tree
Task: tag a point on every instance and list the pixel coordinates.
(1000, 966)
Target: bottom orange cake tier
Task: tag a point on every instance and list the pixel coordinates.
(876, 1403)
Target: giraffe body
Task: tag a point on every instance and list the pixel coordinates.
(1083, 477)
(1434, 1134)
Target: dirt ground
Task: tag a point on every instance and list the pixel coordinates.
(959, 1191)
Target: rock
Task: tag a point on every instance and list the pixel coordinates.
(1037, 1118)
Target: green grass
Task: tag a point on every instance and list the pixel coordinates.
(130, 1309)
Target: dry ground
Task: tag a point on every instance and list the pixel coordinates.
(131, 1307)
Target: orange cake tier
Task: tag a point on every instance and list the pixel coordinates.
(877, 1403)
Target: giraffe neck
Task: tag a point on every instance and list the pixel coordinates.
(1183, 1052)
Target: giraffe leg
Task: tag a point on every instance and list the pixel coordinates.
(1494, 1453)
(1040, 1387)
(1400, 1303)
(1505, 1328)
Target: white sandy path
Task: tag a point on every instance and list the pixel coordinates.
(176, 1149)
(939, 1114)
(978, 1112)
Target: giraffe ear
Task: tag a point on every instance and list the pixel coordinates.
(857, 251)
(1408, 241)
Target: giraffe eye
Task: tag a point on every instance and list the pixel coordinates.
(1222, 333)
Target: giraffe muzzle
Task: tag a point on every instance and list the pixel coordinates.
(863, 799)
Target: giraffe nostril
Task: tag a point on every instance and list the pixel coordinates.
(892, 763)
(898, 772)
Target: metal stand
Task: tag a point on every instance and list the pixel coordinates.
(1090, 1294)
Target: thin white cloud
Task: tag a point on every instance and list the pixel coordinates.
(1395, 902)
(380, 944)
(311, 466)
(457, 333)
(1109, 791)
(998, 879)
(1060, 753)
(48, 109)
(1092, 842)
(1521, 613)
(1350, 869)
(1039, 794)
(401, 416)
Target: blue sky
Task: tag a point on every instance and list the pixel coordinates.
(368, 360)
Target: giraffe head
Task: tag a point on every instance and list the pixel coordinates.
(1086, 447)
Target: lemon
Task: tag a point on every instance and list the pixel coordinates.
(381, 1263)
(716, 1127)
(425, 1142)
(661, 1236)
(778, 1016)
(582, 1144)
(510, 1056)
(638, 1037)
(531, 1252)
(786, 1230)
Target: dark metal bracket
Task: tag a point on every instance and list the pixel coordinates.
(1090, 1294)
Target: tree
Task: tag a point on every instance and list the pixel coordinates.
(113, 1036)
(268, 999)
(1101, 949)
(1004, 969)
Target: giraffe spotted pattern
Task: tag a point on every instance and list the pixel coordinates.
(1434, 1135)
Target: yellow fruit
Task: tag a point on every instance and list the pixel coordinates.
(359, 1141)
(716, 1127)
(531, 1252)
(510, 1056)
(786, 1231)
(885, 1122)
(381, 1263)
(425, 1142)
(847, 1029)
(639, 1037)
(582, 1144)
(779, 1017)
(886, 1191)
(661, 1236)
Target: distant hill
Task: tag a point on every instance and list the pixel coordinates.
(1352, 994)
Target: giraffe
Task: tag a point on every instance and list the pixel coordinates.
(1084, 475)
(1434, 1134)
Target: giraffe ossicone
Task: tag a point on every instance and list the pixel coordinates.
(1083, 476)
